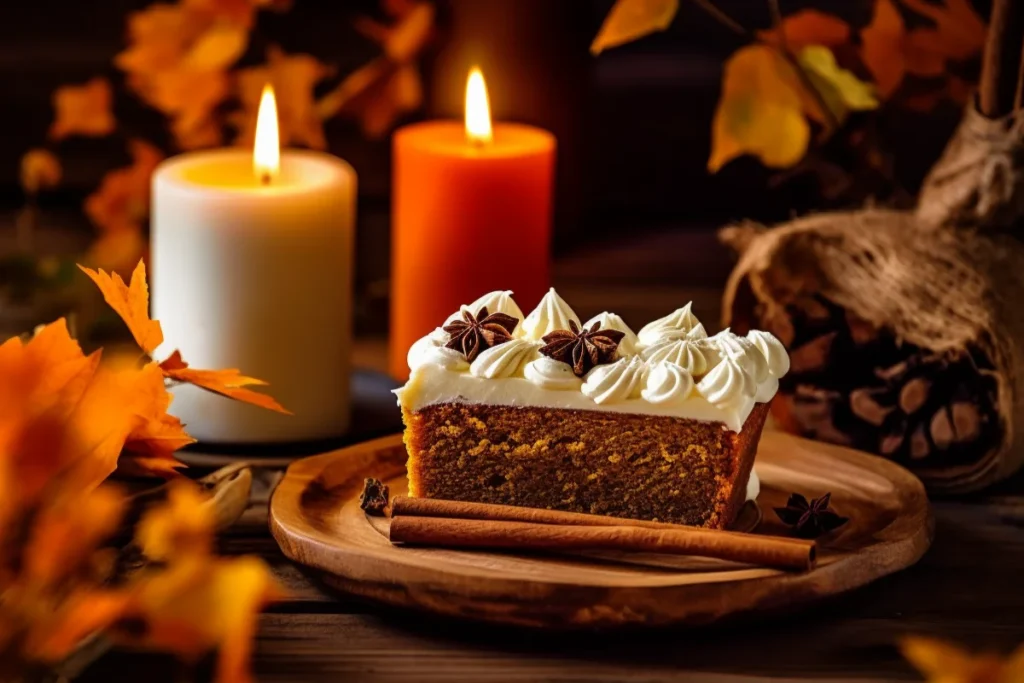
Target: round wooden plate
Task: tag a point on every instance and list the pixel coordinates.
(316, 519)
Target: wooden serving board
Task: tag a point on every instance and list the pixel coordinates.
(316, 519)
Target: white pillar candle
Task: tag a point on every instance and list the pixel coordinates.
(254, 271)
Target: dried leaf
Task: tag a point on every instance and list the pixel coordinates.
(65, 534)
(294, 77)
(943, 662)
(40, 170)
(190, 97)
(198, 604)
(630, 20)
(959, 31)
(122, 200)
(760, 112)
(404, 41)
(82, 614)
(83, 110)
(841, 91)
(180, 526)
(809, 27)
(154, 435)
(218, 48)
(882, 48)
(920, 56)
(238, 12)
(131, 302)
(228, 383)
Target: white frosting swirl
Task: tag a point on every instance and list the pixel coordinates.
(611, 321)
(695, 355)
(442, 356)
(667, 383)
(504, 360)
(746, 354)
(727, 384)
(423, 347)
(682, 320)
(773, 350)
(615, 382)
(548, 373)
(552, 313)
(495, 302)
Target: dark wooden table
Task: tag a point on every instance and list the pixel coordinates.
(968, 588)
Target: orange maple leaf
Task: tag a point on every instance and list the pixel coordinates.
(163, 434)
(230, 383)
(294, 77)
(131, 302)
(83, 110)
(809, 27)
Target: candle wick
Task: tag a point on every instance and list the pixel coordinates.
(265, 179)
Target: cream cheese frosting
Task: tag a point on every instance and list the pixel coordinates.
(671, 367)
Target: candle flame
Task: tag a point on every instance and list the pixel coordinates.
(266, 153)
(478, 109)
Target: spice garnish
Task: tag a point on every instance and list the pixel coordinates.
(582, 349)
(810, 520)
(474, 333)
(374, 498)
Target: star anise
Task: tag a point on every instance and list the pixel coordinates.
(374, 498)
(810, 520)
(474, 333)
(582, 349)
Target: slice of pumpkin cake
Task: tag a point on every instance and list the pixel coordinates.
(550, 412)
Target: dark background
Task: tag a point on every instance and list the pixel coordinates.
(633, 124)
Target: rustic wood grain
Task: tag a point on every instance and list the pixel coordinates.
(315, 517)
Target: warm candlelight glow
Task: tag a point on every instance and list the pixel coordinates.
(266, 153)
(478, 109)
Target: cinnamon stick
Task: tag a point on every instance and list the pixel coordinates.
(423, 521)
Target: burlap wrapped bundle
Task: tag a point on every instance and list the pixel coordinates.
(952, 294)
(979, 181)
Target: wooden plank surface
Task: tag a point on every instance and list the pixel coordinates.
(966, 588)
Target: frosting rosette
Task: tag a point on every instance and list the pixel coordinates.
(727, 384)
(667, 383)
(617, 382)
(610, 321)
(695, 355)
(504, 360)
(548, 373)
(495, 302)
(678, 323)
(551, 314)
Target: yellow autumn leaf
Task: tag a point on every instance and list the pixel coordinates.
(760, 111)
(630, 20)
(840, 89)
(180, 526)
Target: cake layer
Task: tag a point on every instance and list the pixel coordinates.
(641, 466)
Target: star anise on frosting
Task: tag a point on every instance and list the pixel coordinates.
(474, 333)
(582, 349)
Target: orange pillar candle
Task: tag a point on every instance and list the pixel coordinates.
(471, 214)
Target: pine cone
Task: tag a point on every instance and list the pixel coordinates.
(855, 385)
